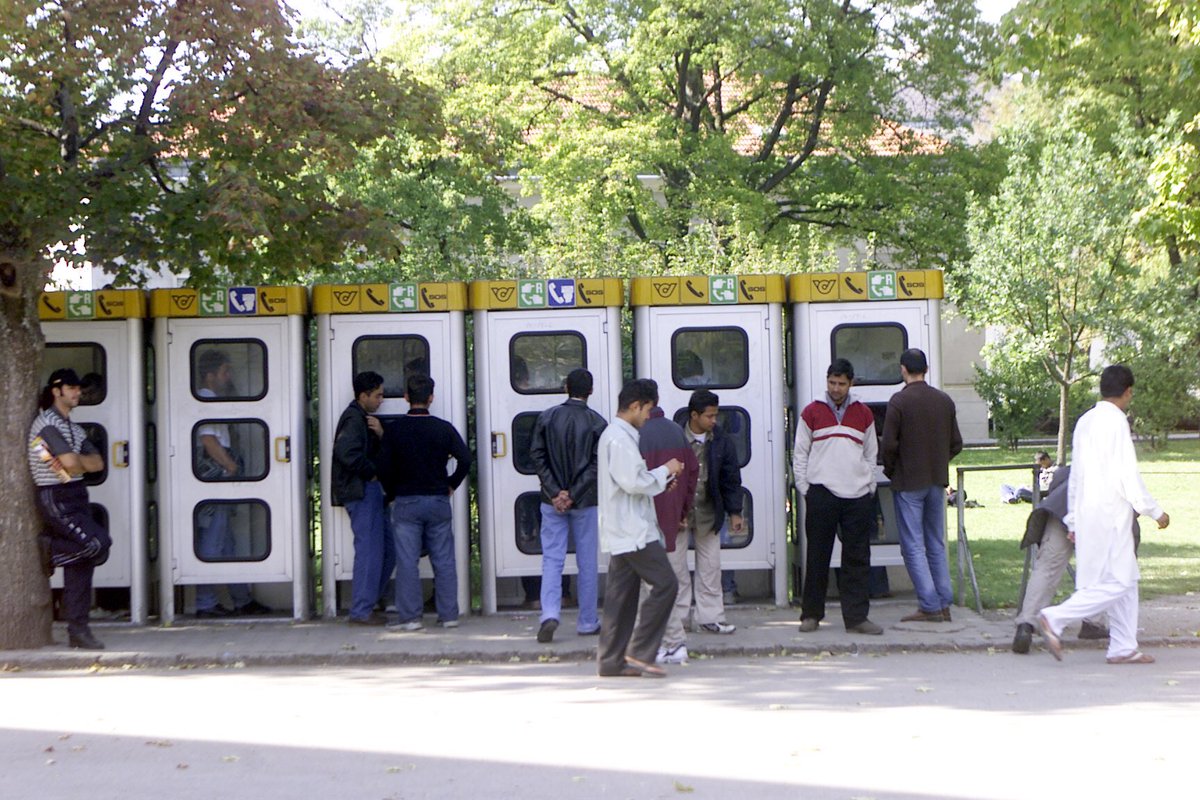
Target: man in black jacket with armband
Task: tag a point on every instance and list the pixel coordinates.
(356, 450)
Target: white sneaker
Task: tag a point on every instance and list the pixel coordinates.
(675, 655)
(448, 623)
(414, 625)
(718, 627)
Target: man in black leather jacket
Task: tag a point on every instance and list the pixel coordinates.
(563, 450)
(355, 485)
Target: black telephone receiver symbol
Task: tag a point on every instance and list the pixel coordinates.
(850, 285)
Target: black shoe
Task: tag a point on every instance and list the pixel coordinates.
(84, 641)
(1089, 631)
(546, 632)
(1023, 639)
(216, 612)
(252, 609)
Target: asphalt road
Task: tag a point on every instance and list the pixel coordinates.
(917, 725)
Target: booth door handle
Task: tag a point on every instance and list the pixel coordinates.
(120, 454)
(499, 445)
(284, 454)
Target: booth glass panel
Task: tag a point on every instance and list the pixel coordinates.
(710, 358)
(247, 360)
(734, 422)
(873, 348)
(246, 441)
(522, 441)
(89, 362)
(152, 531)
(887, 532)
(98, 436)
(393, 357)
(540, 362)
(231, 530)
(528, 514)
(730, 541)
(151, 453)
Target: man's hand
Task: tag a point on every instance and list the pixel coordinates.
(674, 466)
(375, 426)
(562, 501)
(1163, 521)
(736, 523)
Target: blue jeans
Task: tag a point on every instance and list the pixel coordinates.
(921, 517)
(214, 542)
(581, 524)
(424, 521)
(374, 551)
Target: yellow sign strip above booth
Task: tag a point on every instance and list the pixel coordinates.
(877, 285)
(232, 301)
(547, 293)
(706, 290)
(97, 305)
(389, 298)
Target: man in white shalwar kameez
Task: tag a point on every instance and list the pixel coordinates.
(1104, 492)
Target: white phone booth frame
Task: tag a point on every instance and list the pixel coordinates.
(586, 309)
(432, 312)
(270, 319)
(750, 306)
(824, 303)
(113, 320)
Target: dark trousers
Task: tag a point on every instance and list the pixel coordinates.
(618, 637)
(78, 544)
(824, 513)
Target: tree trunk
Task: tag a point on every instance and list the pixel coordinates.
(1064, 396)
(24, 591)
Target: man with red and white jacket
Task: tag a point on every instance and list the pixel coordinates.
(834, 465)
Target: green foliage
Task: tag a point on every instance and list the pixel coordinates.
(1021, 397)
(673, 135)
(195, 136)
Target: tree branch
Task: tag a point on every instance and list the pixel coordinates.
(142, 126)
(810, 144)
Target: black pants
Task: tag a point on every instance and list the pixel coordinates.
(622, 587)
(824, 513)
(78, 544)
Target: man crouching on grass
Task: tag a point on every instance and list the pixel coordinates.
(629, 532)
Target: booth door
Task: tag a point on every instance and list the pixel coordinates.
(252, 418)
(530, 355)
(727, 350)
(100, 353)
(394, 347)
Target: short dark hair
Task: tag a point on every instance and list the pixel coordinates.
(1114, 380)
(1041, 455)
(367, 382)
(700, 400)
(638, 390)
(579, 383)
(841, 366)
(913, 360)
(210, 361)
(418, 389)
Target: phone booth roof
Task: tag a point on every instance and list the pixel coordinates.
(230, 301)
(91, 306)
(876, 285)
(541, 294)
(389, 298)
(706, 290)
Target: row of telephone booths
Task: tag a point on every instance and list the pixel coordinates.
(149, 395)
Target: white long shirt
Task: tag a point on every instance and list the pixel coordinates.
(1104, 491)
(626, 517)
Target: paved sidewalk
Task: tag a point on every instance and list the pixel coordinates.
(762, 630)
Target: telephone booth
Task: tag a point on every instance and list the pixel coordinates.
(725, 333)
(101, 336)
(232, 455)
(869, 318)
(393, 330)
(529, 334)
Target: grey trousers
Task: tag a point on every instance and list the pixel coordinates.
(1053, 554)
(624, 631)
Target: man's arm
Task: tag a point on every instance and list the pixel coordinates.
(586, 477)
(537, 454)
(214, 450)
(956, 443)
(870, 452)
(690, 477)
(462, 458)
(1132, 485)
(891, 437)
(350, 450)
(800, 455)
(628, 470)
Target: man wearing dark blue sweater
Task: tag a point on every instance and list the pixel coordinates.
(417, 449)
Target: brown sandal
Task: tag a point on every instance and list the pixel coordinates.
(1136, 657)
(646, 670)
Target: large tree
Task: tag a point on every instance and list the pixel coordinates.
(180, 134)
(693, 133)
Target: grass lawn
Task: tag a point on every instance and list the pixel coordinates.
(1169, 560)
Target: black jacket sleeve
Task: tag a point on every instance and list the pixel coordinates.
(540, 458)
(730, 484)
(350, 448)
(587, 477)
